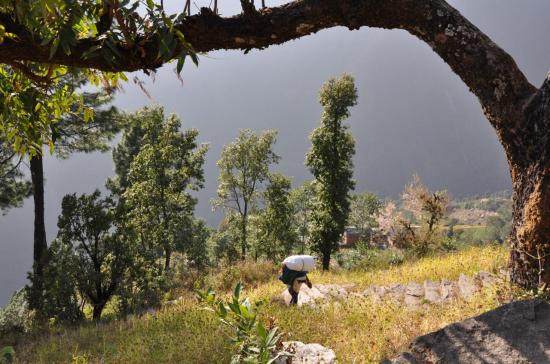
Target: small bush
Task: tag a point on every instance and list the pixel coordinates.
(369, 259)
(13, 317)
(249, 273)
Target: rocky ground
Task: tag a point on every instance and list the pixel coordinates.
(411, 294)
(518, 332)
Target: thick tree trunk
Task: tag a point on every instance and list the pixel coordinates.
(98, 309)
(40, 245)
(530, 169)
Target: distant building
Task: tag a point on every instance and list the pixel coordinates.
(350, 237)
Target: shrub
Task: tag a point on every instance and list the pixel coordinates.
(249, 273)
(13, 316)
(254, 342)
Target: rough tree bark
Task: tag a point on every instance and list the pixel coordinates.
(40, 245)
(518, 111)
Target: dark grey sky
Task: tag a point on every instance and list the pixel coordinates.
(414, 114)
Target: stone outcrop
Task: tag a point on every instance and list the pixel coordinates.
(319, 293)
(518, 332)
(306, 354)
(413, 295)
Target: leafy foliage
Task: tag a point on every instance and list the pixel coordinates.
(365, 207)
(244, 166)
(13, 315)
(276, 235)
(254, 342)
(102, 257)
(166, 168)
(303, 200)
(28, 113)
(13, 187)
(59, 298)
(330, 162)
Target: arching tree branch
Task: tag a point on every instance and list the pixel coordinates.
(490, 73)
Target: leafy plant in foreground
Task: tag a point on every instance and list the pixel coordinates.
(255, 343)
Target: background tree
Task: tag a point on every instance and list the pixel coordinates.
(167, 167)
(275, 229)
(13, 186)
(60, 299)
(86, 225)
(303, 201)
(244, 166)
(427, 207)
(224, 242)
(330, 162)
(365, 207)
(63, 122)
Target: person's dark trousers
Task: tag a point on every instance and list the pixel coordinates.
(294, 295)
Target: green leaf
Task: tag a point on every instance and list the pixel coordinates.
(262, 332)
(53, 48)
(237, 291)
(222, 310)
(181, 62)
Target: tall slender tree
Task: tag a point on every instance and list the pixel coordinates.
(244, 166)
(330, 162)
(74, 131)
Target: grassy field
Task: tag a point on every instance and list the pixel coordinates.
(358, 330)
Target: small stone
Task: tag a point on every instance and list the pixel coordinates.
(396, 292)
(432, 292)
(466, 286)
(485, 279)
(448, 290)
(413, 295)
(306, 354)
(377, 293)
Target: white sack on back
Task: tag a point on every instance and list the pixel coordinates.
(300, 263)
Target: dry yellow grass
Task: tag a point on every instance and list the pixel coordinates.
(359, 331)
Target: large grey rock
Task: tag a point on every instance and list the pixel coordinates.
(306, 354)
(404, 358)
(517, 332)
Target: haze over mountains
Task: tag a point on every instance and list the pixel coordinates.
(414, 114)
